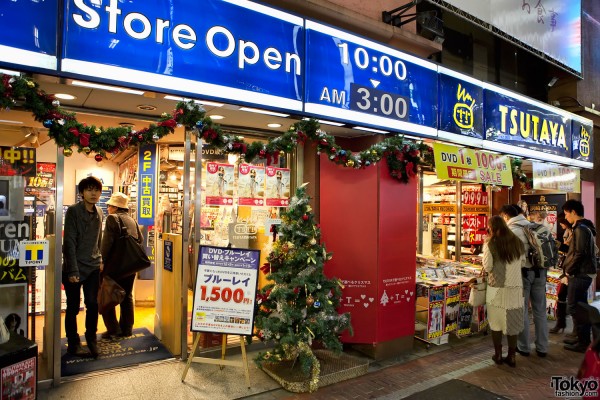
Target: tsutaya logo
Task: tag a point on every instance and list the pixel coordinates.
(531, 126)
(219, 40)
(584, 143)
(463, 109)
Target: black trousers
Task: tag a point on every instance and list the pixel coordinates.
(577, 292)
(90, 298)
(125, 323)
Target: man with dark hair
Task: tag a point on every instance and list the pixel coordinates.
(81, 265)
(534, 287)
(580, 266)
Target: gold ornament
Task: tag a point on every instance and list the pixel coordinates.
(310, 300)
(30, 84)
(350, 163)
(374, 152)
(97, 131)
(67, 152)
(87, 150)
(282, 153)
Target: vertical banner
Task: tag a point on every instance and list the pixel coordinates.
(277, 187)
(219, 184)
(147, 167)
(435, 326)
(451, 308)
(465, 312)
(251, 185)
(225, 290)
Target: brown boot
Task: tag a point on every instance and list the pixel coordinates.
(497, 357)
(510, 359)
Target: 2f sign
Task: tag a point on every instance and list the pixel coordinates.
(449, 158)
(147, 161)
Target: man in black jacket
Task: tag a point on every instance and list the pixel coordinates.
(580, 266)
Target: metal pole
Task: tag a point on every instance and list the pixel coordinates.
(54, 356)
(185, 232)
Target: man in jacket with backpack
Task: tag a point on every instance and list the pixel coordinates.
(580, 266)
(534, 286)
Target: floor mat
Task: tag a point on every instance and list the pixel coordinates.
(139, 348)
(456, 389)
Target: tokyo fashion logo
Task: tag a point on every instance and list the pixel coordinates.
(572, 387)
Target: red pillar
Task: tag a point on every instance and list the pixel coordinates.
(369, 222)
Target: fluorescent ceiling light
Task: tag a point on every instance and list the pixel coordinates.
(216, 116)
(9, 72)
(8, 121)
(107, 87)
(203, 102)
(259, 111)
(64, 96)
(274, 125)
(362, 128)
(322, 121)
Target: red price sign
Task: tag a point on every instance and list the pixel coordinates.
(226, 294)
(476, 198)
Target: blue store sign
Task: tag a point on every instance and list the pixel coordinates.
(517, 121)
(583, 140)
(460, 106)
(28, 33)
(234, 50)
(147, 167)
(364, 82)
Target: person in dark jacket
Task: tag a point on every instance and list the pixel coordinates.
(118, 208)
(580, 266)
(81, 265)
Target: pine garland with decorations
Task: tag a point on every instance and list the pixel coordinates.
(300, 304)
(519, 175)
(404, 158)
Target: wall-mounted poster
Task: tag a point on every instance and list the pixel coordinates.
(278, 186)
(251, 185)
(13, 307)
(551, 205)
(219, 184)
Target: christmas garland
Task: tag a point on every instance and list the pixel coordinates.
(404, 158)
(519, 175)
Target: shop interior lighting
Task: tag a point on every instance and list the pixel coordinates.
(146, 107)
(216, 117)
(259, 111)
(203, 102)
(362, 128)
(322, 121)
(9, 72)
(107, 87)
(10, 122)
(274, 125)
(65, 96)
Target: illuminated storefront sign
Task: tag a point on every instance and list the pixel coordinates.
(147, 166)
(464, 164)
(556, 178)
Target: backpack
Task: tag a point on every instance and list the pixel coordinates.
(542, 251)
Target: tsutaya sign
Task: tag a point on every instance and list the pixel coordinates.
(248, 53)
(464, 164)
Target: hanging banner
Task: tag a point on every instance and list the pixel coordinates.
(251, 188)
(219, 184)
(225, 290)
(556, 178)
(470, 165)
(147, 167)
(277, 187)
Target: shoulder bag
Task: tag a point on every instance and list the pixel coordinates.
(127, 256)
(478, 291)
(110, 294)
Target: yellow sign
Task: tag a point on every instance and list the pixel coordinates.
(475, 209)
(439, 208)
(464, 164)
(557, 178)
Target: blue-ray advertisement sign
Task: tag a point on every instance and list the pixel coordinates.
(515, 120)
(28, 33)
(358, 80)
(583, 140)
(233, 50)
(460, 104)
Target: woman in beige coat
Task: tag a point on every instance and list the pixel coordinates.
(503, 254)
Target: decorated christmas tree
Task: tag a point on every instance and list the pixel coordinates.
(299, 306)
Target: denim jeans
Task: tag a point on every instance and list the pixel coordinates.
(90, 298)
(534, 290)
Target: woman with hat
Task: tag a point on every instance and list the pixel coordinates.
(118, 212)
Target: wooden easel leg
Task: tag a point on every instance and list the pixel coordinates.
(245, 360)
(191, 357)
(223, 349)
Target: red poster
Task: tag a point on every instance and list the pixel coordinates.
(19, 380)
(219, 184)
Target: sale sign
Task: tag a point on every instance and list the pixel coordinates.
(225, 290)
(557, 178)
(472, 165)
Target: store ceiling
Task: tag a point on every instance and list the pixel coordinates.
(109, 109)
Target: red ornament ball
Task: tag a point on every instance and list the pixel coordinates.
(98, 157)
(305, 217)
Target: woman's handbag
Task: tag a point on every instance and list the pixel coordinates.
(110, 294)
(127, 256)
(478, 290)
